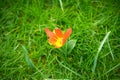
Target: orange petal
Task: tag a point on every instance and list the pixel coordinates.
(66, 35)
(53, 39)
(58, 32)
(48, 32)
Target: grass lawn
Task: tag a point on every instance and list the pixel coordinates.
(92, 51)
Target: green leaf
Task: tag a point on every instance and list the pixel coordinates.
(99, 49)
(70, 46)
(27, 59)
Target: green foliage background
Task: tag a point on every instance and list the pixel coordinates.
(22, 22)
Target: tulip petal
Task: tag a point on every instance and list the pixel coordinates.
(53, 39)
(48, 32)
(66, 35)
(58, 32)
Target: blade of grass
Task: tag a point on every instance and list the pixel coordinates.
(61, 5)
(110, 50)
(99, 49)
(112, 69)
(68, 68)
(109, 46)
(103, 41)
(27, 59)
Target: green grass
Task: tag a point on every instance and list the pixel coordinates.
(25, 53)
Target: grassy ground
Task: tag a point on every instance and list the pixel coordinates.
(95, 25)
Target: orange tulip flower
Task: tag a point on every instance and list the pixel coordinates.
(57, 38)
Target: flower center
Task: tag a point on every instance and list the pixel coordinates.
(58, 43)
